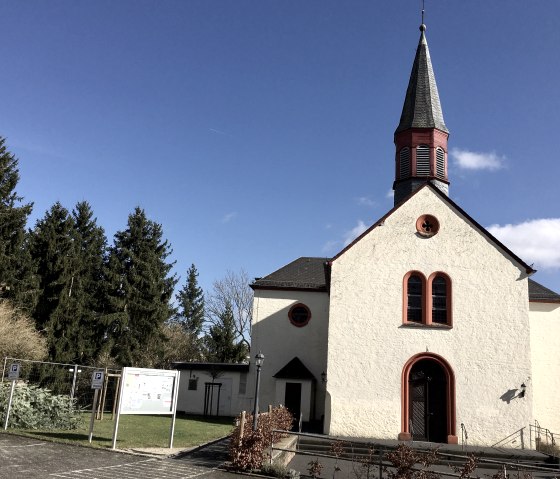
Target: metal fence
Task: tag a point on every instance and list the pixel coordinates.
(70, 380)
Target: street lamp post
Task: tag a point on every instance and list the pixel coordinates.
(259, 359)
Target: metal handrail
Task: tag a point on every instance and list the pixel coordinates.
(519, 433)
(383, 449)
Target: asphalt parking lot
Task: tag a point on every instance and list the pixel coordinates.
(28, 458)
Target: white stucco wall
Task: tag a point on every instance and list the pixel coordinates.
(545, 356)
(231, 402)
(280, 341)
(488, 346)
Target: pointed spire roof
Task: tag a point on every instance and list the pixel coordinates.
(422, 108)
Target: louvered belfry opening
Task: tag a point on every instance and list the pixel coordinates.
(423, 160)
(440, 163)
(404, 163)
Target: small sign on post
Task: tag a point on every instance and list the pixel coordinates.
(13, 375)
(97, 380)
(96, 383)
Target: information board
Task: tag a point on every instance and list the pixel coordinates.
(147, 391)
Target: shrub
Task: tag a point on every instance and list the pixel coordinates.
(38, 408)
(404, 460)
(18, 336)
(274, 470)
(248, 452)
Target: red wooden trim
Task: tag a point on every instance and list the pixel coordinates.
(405, 297)
(451, 406)
(449, 291)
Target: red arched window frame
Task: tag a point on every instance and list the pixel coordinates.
(427, 299)
(448, 299)
(423, 305)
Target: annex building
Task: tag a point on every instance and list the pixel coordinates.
(423, 323)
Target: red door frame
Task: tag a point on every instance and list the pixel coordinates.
(405, 435)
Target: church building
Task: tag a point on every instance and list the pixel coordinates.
(423, 324)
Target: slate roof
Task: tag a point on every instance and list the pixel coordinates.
(422, 108)
(537, 292)
(295, 369)
(303, 273)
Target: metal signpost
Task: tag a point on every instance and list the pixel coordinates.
(13, 375)
(96, 383)
(148, 391)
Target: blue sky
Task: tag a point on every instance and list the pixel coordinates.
(259, 131)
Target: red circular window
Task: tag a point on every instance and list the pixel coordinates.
(299, 315)
(427, 225)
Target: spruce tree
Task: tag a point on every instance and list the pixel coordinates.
(139, 290)
(191, 304)
(221, 343)
(16, 272)
(90, 245)
(53, 249)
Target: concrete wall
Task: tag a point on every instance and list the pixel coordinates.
(280, 341)
(545, 356)
(487, 347)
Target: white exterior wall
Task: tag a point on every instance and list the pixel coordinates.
(280, 341)
(545, 357)
(487, 348)
(231, 402)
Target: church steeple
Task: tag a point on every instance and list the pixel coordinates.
(421, 137)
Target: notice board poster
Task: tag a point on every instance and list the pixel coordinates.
(148, 391)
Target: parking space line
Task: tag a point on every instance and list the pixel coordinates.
(148, 469)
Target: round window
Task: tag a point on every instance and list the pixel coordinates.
(299, 315)
(427, 225)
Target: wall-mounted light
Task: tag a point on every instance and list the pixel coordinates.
(523, 389)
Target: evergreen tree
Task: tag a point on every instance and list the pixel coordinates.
(16, 272)
(53, 249)
(87, 286)
(140, 289)
(221, 343)
(191, 304)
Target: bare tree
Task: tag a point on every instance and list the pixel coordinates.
(234, 290)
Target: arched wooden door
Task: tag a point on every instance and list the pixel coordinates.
(428, 400)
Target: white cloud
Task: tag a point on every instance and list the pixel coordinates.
(365, 201)
(229, 216)
(331, 246)
(535, 241)
(471, 160)
(390, 194)
(351, 235)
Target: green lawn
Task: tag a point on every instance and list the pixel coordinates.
(141, 431)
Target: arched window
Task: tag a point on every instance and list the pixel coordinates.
(422, 160)
(439, 300)
(414, 284)
(404, 162)
(440, 162)
(427, 302)
(439, 286)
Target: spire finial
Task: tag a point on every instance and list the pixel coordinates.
(423, 26)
